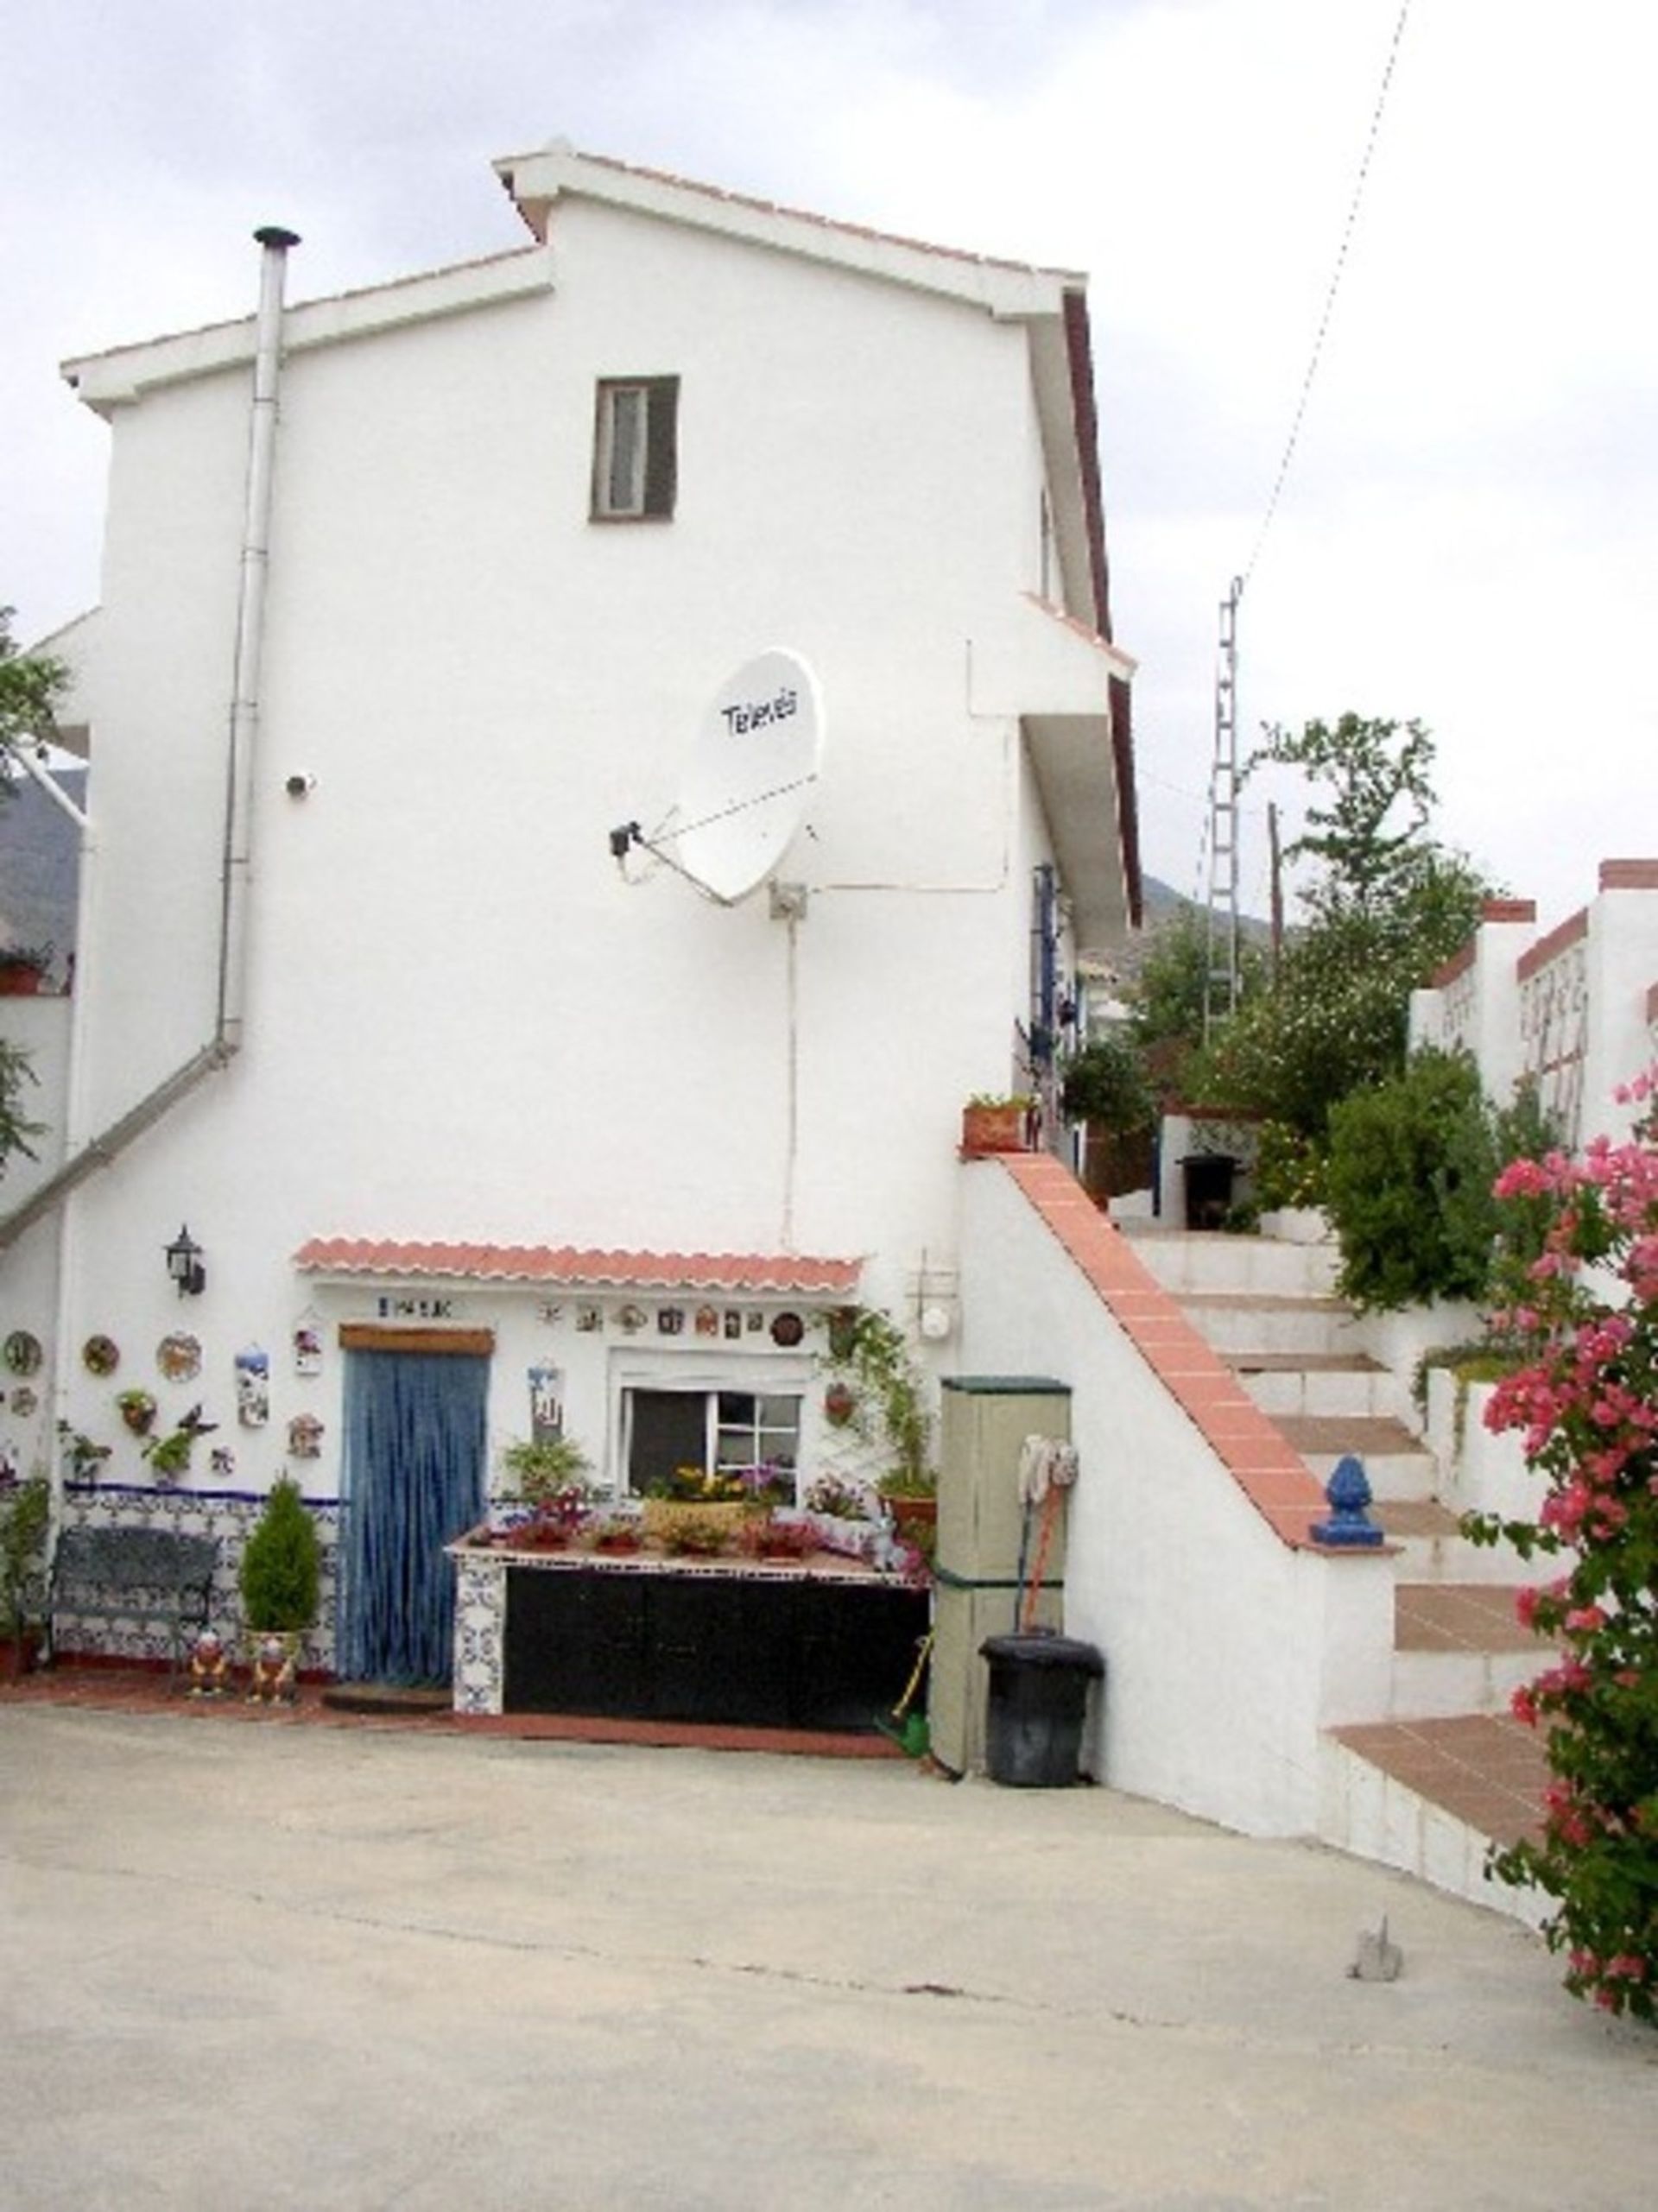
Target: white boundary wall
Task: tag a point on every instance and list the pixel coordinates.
(1227, 1651)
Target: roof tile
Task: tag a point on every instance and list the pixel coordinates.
(739, 1273)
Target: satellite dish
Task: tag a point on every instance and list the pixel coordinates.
(755, 755)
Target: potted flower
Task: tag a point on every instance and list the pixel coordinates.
(25, 1510)
(709, 1501)
(911, 1497)
(24, 968)
(549, 1476)
(618, 1533)
(280, 1579)
(779, 1536)
(997, 1121)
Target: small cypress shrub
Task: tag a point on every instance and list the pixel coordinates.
(281, 1566)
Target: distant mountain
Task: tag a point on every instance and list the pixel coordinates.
(39, 866)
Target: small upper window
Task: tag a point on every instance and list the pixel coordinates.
(635, 448)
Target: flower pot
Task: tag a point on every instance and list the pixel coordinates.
(988, 1129)
(19, 981)
(913, 1512)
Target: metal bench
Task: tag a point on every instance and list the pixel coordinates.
(133, 1574)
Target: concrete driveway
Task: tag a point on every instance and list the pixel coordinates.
(266, 1966)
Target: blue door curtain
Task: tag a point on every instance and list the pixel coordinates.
(412, 1481)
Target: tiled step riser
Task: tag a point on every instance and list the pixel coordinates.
(1451, 1559)
(1438, 1685)
(1374, 1816)
(1245, 1264)
(1372, 1395)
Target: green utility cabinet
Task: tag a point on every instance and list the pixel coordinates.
(986, 1420)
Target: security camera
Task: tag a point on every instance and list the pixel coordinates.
(298, 786)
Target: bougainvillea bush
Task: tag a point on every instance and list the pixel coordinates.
(1583, 1316)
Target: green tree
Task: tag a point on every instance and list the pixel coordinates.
(1386, 905)
(31, 685)
(1370, 836)
(1166, 997)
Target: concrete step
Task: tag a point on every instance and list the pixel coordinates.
(1431, 1551)
(1428, 1796)
(1193, 1260)
(1320, 1383)
(1266, 1322)
(1458, 1648)
(1395, 1461)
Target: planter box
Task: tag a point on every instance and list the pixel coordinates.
(668, 1519)
(988, 1129)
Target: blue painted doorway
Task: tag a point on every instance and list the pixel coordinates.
(412, 1480)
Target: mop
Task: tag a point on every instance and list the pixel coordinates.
(1048, 1468)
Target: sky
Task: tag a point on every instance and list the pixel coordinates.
(1467, 532)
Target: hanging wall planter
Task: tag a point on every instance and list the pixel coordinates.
(137, 1410)
(839, 1403)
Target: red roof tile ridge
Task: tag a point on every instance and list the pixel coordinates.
(566, 1262)
(824, 221)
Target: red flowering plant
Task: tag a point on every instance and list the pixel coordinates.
(1581, 1315)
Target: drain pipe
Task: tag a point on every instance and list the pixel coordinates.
(231, 984)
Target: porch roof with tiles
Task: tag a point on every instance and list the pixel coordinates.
(734, 1274)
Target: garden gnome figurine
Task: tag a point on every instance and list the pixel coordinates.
(208, 1662)
(275, 1672)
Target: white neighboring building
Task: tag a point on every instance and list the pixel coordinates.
(391, 1029)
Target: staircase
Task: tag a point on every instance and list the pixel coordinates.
(1427, 1783)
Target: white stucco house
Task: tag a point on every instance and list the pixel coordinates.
(410, 599)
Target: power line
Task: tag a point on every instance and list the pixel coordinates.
(1329, 296)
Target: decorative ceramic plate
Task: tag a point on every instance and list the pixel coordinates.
(100, 1355)
(22, 1352)
(788, 1328)
(179, 1357)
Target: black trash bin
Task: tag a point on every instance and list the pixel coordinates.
(1039, 1694)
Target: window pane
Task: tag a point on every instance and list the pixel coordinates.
(666, 1429)
(624, 489)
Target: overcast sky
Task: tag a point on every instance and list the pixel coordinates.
(1469, 530)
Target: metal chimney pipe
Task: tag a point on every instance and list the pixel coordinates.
(250, 634)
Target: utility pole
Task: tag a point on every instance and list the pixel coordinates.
(1220, 934)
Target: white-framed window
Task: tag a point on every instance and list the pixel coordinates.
(717, 1430)
(635, 449)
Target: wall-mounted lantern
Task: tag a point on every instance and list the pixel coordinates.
(184, 1264)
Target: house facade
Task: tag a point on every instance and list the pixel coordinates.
(396, 998)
